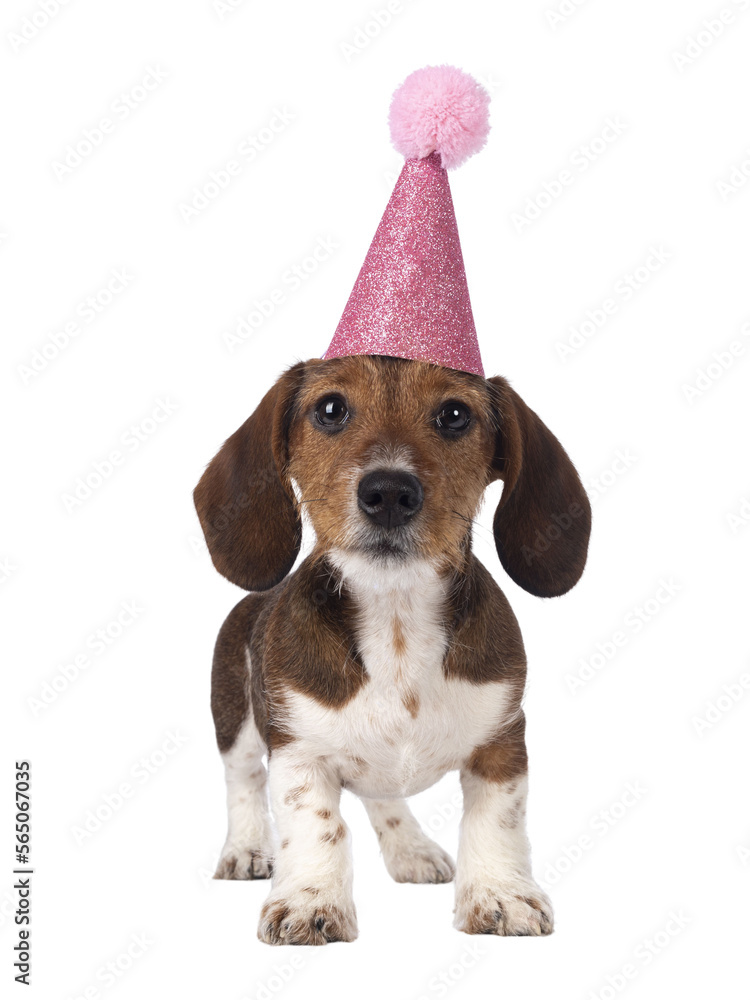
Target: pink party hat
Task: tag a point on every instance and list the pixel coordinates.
(411, 299)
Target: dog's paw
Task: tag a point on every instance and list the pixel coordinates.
(307, 916)
(241, 863)
(516, 910)
(416, 859)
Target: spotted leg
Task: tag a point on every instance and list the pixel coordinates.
(409, 854)
(495, 892)
(247, 850)
(311, 899)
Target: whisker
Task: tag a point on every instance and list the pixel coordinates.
(470, 520)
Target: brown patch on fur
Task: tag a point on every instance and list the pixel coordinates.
(485, 643)
(488, 916)
(511, 819)
(334, 836)
(410, 702)
(480, 920)
(230, 688)
(263, 713)
(399, 639)
(295, 794)
(280, 923)
(233, 692)
(284, 843)
(260, 867)
(393, 822)
(304, 613)
(503, 757)
(307, 644)
(323, 813)
(227, 868)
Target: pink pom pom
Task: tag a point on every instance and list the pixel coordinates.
(440, 109)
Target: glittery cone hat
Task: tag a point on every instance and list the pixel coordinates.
(411, 299)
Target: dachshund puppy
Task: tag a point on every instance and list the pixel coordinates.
(390, 656)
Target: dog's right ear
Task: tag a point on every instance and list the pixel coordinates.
(543, 521)
(245, 500)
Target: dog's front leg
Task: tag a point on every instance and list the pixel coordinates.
(495, 892)
(311, 899)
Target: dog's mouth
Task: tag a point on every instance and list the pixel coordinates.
(387, 543)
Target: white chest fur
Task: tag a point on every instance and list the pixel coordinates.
(408, 724)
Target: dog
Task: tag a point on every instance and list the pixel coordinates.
(389, 656)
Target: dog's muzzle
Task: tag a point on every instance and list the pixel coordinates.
(390, 498)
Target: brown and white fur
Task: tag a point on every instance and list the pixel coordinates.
(390, 656)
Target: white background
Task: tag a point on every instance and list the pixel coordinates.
(671, 511)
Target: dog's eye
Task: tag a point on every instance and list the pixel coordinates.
(331, 412)
(453, 418)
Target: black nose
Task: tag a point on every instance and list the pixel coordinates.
(390, 498)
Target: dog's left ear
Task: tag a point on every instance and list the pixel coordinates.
(543, 521)
(245, 500)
